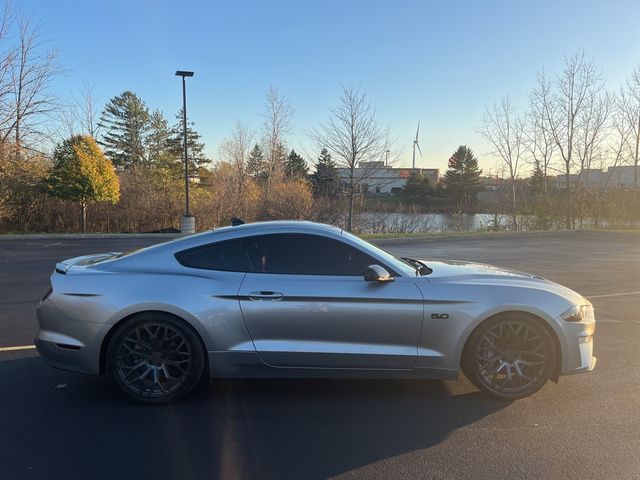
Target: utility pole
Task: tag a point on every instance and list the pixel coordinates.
(188, 224)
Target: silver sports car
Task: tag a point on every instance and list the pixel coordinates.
(300, 299)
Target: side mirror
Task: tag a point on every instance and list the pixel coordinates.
(376, 273)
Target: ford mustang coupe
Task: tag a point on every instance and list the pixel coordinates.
(300, 299)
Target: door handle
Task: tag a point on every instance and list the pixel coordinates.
(265, 295)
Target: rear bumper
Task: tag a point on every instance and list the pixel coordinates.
(68, 344)
(64, 358)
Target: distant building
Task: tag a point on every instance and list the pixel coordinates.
(376, 178)
(620, 176)
(589, 178)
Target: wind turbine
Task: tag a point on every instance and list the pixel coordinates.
(416, 144)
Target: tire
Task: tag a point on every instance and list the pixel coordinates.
(156, 358)
(510, 356)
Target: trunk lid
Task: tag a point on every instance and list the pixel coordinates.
(80, 263)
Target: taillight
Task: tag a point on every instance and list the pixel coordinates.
(46, 295)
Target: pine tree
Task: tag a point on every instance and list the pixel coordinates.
(125, 120)
(195, 148)
(158, 145)
(295, 167)
(325, 179)
(256, 166)
(275, 166)
(462, 179)
(418, 186)
(83, 175)
(537, 180)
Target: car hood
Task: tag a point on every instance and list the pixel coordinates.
(454, 268)
(451, 271)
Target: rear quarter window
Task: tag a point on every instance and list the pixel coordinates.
(224, 256)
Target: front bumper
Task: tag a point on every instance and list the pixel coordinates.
(577, 354)
(587, 360)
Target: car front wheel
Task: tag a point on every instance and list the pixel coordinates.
(156, 358)
(509, 356)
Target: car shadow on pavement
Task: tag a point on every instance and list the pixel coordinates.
(61, 425)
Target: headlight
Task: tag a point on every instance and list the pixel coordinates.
(579, 313)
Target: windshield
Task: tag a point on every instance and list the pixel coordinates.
(394, 262)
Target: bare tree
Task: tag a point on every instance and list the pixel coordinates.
(77, 116)
(576, 89)
(616, 143)
(629, 107)
(540, 144)
(353, 136)
(235, 150)
(592, 131)
(277, 116)
(7, 59)
(66, 124)
(505, 131)
(88, 111)
(31, 74)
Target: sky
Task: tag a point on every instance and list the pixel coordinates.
(440, 62)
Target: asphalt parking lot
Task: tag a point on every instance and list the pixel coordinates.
(59, 425)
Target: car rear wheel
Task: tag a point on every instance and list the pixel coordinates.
(156, 358)
(510, 356)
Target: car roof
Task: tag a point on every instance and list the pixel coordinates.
(284, 225)
(156, 253)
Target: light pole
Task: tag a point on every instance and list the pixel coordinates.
(188, 224)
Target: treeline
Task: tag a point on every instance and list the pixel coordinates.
(571, 127)
(131, 178)
(123, 172)
(557, 156)
(539, 210)
(540, 204)
(118, 167)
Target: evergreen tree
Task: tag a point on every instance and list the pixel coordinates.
(538, 180)
(195, 148)
(295, 167)
(278, 163)
(83, 175)
(125, 120)
(275, 162)
(256, 166)
(325, 179)
(418, 186)
(462, 179)
(158, 145)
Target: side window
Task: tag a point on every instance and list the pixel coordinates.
(227, 256)
(304, 255)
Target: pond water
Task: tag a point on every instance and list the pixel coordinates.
(370, 222)
(373, 222)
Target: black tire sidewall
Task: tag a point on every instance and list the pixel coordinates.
(198, 356)
(471, 369)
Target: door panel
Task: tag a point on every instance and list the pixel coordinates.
(332, 321)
